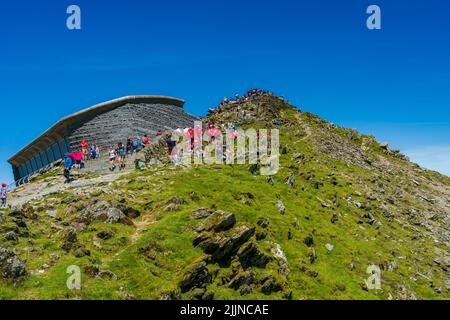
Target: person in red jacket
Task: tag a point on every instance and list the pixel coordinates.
(146, 140)
(85, 149)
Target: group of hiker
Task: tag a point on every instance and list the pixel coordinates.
(195, 137)
(76, 160)
(117, 154)
(227, 103)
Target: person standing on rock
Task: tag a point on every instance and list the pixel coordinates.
(129, 147)
(85, 149)
(112, 159)
(122, 153)
(171, 144)
(78, 159)
(68, 163)
(93, 152)
(3, 194)
(138, 145)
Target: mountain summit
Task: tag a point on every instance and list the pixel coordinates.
(345, 217)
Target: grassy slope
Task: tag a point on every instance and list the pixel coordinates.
(220, 186)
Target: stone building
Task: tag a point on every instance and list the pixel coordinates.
(106, 125)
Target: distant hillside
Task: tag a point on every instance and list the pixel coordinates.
(340, 203)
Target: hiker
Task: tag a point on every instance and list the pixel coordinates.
(93, 152)
(78, 159)
(138, 145)
(72, 156)
(129, 147)
(191, 134)
(68, 163)
(145, 141)
(97, 151)
(84, 149)
(170, 146)
(122, 153)
(3, 195)
(112, 159)
(159, 133)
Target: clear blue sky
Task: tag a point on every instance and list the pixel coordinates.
(393, 83)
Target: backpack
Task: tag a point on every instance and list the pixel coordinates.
(68, 163)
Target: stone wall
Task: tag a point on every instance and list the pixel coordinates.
(111, 127)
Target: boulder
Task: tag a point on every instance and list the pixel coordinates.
(334, 218)
(176, 200)
(197, 277)
(218, 221)
(254, 169)
(231, 243)
(128, 211)
(281, 207)
(263, 222)
(17, 212)
(52, 213)
(281, 258)
(94, 212)
(172, 207)
(271, 284)
(201, 213)
(81, 252)
(194, 196)
(106, 212)
(105, 235)
(245, 279)
(250, 255)
(114, 215)
(70, 235)
(290, 181)
(140, 164)
(11, 267)
(11, 236)
(20, 222)
(309, 241)
(222, 246)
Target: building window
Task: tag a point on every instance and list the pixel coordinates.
(44, 158)
(34, 165)
(56, 151)
(37, 158)
(22, 171)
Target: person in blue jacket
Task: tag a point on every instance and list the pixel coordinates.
(68, 163)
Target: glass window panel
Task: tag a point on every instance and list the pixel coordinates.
(37, 158)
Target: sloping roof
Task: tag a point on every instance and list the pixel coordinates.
(59, 129)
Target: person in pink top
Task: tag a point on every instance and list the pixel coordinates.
(78, 159)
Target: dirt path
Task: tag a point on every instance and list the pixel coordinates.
(305, 128)
(44, 188)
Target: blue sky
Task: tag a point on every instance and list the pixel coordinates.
(393, 83)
